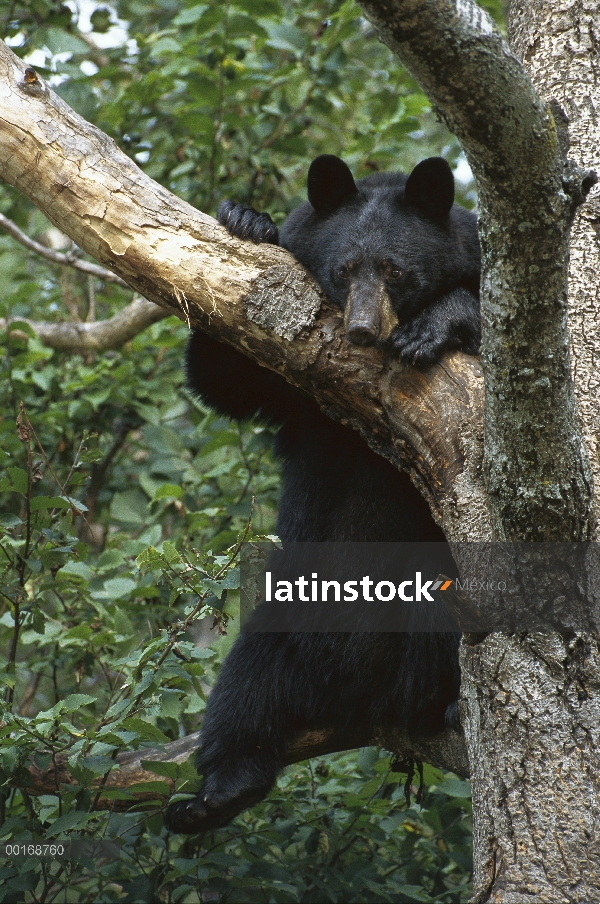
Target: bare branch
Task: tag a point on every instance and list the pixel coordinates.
(97, 336)
(256, 298)
(65, 260)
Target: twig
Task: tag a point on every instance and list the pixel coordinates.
(57, 257)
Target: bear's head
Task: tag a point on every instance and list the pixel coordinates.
(386, 247)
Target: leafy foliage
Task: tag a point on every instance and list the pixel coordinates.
(122, 501)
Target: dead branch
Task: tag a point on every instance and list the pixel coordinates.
(256, 298)
(97, 336)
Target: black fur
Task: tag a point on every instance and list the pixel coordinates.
(248, 223)
(432, 243)
(273, 685)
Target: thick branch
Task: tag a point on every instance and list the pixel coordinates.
(254, 297)
(98, 336)
(447, 751)
(538, 479)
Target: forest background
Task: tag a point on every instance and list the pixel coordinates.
(122, 500)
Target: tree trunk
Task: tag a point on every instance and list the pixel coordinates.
(559, 44)
(531, 702)
(532, 713)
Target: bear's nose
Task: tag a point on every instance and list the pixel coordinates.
(362, 333)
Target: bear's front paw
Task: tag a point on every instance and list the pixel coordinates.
(247, 223)
(419, 342)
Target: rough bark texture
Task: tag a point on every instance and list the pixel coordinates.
(559, 44)
(532, 720)
(255, 297)
(447, 750)
(531, 703)
(533, 726)
(537, 477)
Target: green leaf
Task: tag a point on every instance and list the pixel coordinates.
(286, 36)
(59, 41)
(455, 787)
(76, 570)
(99, 765)
(367, 757)
(115, 588)
(74, 819)
(75, 701)
(170, 553)
(168, 491)
(191, 15)
(19, 480)
(39, 503)
(168, 770)
(145, 730)
(129, 507)
(260, 8)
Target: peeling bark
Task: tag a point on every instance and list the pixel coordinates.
(257, 298)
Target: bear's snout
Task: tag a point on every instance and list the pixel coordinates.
(368, 314)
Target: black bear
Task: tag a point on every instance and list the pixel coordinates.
(402, 261)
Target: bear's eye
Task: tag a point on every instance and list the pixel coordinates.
(343, 272)
(392, 272)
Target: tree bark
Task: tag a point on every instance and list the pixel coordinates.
(559, 44)
(531, 702)
(257, 298)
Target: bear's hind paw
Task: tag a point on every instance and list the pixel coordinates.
(206, 812)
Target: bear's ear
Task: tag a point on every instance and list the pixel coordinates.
(329, 183)
(430, 188)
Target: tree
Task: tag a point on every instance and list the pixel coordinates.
(536, 484)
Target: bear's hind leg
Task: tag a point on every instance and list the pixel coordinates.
(249, 720)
